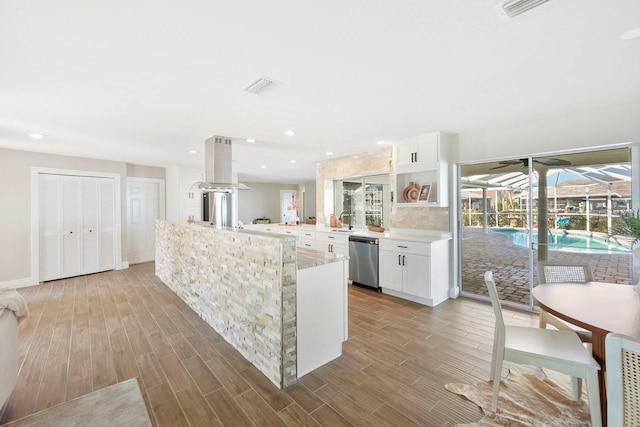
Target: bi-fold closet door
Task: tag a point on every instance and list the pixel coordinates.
(76, 225)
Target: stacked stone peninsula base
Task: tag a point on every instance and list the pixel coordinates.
(245, 285)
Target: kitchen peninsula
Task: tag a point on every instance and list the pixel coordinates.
(284, 309)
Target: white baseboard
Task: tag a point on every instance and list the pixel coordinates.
(123, 265)
(18, 283)
(454, 292)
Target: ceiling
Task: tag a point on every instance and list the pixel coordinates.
(147, 81)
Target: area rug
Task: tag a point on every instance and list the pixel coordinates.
(118, 405)
(525, 400)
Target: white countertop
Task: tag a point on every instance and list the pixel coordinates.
(424, 236)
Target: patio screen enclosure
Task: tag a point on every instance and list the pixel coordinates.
(563, 208)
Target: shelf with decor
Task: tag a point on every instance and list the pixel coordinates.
(421, 171)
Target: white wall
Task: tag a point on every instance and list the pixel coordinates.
(569, 131)
(261, 199)
(309, 200)
(15, 208)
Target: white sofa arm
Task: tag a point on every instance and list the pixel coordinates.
(8, 354)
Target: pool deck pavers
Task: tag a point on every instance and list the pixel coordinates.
(510, 264)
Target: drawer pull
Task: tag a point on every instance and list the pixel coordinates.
(403, 247)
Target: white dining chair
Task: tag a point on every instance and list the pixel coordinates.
(560, 351)
(623, 380)
(556, 272)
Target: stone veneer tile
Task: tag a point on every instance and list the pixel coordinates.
(376, 163)
(242, 284)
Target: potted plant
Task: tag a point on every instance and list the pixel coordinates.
(374, 223)
(630, 226)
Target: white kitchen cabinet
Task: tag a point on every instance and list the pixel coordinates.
(415, 271)
(416, 152)
(183, 199)
(335, 243)
(423, 160)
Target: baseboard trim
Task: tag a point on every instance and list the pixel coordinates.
(18, 283)
(123, 265)
(454, 292)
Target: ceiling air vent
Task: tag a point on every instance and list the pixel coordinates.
(511, 8)
(259, 85)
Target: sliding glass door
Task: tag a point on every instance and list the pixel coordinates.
(563, 208)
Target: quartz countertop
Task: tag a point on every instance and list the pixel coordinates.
(424, 236)
(307, 258)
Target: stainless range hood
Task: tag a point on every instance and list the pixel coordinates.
(218, 172)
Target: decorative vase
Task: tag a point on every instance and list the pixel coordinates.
(411, 193)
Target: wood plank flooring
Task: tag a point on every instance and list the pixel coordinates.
(89, 332)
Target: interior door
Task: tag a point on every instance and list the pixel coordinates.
(287, 197)
(90, 214)
(71, 236)
(49, 224)
(107, 223)
(143, 208)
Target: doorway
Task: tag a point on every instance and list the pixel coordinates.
(564, 207)
(287, 204)
(145, 204)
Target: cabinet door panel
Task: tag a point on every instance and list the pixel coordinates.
(405, 152)
(107, 224)
(391, 271)
(427, 149)
(416, 271)
(89, 218)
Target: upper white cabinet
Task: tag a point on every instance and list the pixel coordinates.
(184, 200)
(424, 161)
(414, 153)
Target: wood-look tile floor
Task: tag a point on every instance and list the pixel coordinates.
(90, 332)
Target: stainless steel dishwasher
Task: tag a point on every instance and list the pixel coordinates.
(363, 261)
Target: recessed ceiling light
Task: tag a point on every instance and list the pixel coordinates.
(193, 151)
(329, 153)
(356, 157)
(263, 166)
(633, 33)
(380, 142)
(292, 161)
(36, 135)
(289, 133)
(251, 140)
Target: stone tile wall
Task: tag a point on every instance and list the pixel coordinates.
(242, 284)
(376, 163)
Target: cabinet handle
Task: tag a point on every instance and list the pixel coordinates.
(71, 232)
(403, 247)
(416, 157)
(403, 260)
(331, 247)
(411, 157)
(399, 263)
(331, 237)
(90, 231)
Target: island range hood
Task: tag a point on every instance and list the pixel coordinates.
(218, 172)
(219, 187)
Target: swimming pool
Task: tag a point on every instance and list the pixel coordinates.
(566, 241)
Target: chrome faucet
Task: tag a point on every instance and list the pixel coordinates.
(350, 218)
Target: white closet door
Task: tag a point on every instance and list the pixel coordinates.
(50, 227)
(90, 214)
(107, 223)
(143, 208)
(71, 265)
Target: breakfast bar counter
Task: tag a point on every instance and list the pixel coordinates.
(283, 308)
